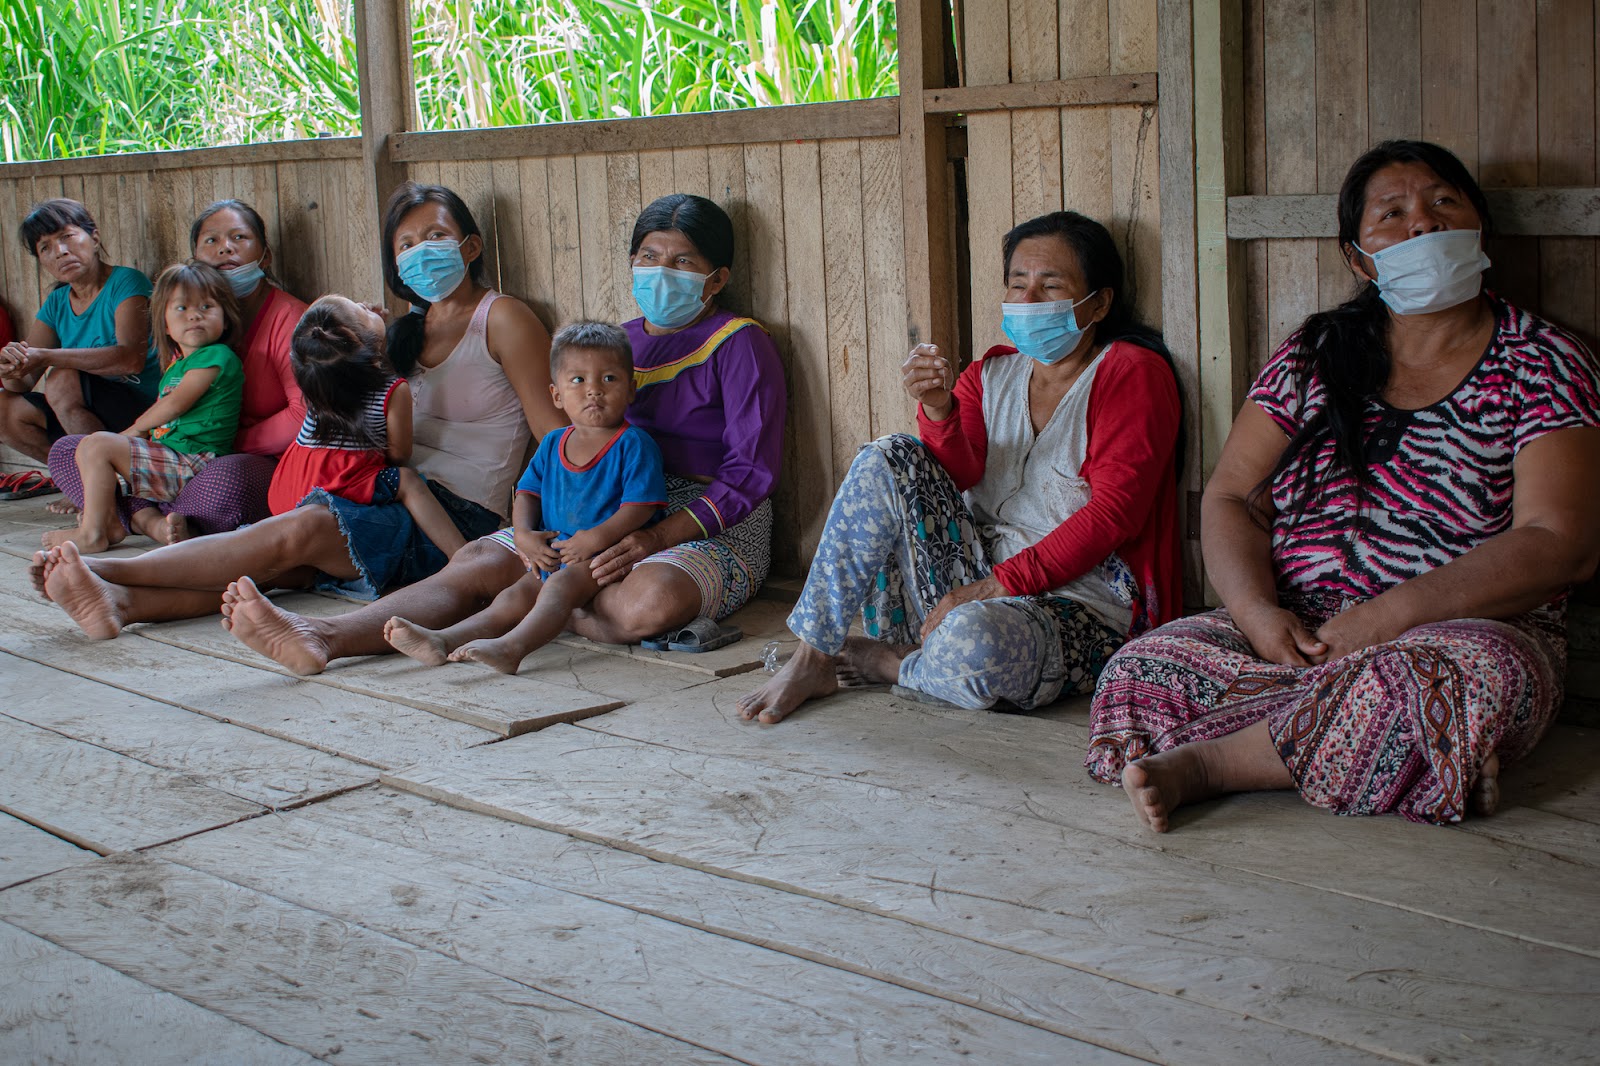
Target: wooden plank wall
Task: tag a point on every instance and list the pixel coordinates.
(818, 260)
(1101, 161)
(321, 240)
(1508, 85)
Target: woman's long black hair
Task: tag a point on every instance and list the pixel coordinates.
(1102, 268)
(1347, 347)
(337, 365)
(702, 221)
(406, 332)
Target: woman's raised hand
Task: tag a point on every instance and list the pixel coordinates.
(928, 377)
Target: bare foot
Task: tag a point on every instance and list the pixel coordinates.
(39, 568)
(146, 521)
(177, 527)
(1485, 799)
(809, 675)
(495, 652)
(1159, 784)
(61, 506)
(422, 644)
(89, 541)
(864, 661)
(285, 638)
(91, 601)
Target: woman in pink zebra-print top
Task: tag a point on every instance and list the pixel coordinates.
(1402, 505)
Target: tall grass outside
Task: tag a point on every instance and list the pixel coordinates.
(91, 77)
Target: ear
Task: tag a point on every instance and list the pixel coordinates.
(265, 262)
(1102, 305)
(471, 248)
(716, 282)
(1357, 261)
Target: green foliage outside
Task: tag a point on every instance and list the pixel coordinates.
(89, 77)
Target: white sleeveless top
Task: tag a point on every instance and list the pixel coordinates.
(469, 429)
(1031, 484)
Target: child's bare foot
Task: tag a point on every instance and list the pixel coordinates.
(61, 506)
(89, 541)
(864, 661)
(90, 601)
(146, 522)
(176, 527)
(422, 644)
(284, 637)
(492, 651)
(1485, 799)
(809, 675)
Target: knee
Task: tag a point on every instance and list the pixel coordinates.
(483, 569)
(17, 416)
(63, 389)
(100, 445)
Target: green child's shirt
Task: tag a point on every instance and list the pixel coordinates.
(210, 425)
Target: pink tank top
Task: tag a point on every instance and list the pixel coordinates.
(469, 428)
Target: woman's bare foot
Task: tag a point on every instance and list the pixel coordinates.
(90, 601)
(39, 569)
(809, 675)
(1485, 799)
(1159, 784)
(493, 651)
(61, 506)
(864, 661)
(89, 541)
(285, 638)
(420, 643)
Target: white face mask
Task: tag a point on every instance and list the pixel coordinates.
(1430, 272)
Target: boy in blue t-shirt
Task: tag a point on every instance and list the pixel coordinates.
(587, 487)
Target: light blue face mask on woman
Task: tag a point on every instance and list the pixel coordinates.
(668, 298)
(432, 269)
(1045, 332)
(244, 278)
(1431, 271)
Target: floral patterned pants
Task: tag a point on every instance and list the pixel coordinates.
(898, 537)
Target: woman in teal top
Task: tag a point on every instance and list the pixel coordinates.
(92, 336)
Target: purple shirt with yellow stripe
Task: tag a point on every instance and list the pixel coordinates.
(713, 397)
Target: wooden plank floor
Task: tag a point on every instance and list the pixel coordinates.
(205, 859)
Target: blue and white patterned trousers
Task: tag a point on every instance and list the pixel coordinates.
(898, 538)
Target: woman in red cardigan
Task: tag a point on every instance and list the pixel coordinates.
(1004, 556)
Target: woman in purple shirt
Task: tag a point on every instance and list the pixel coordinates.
(710, 391)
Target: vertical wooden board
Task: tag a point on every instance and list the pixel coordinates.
(725, 176)
(1341, 87)
(263, 196)
(808, 437)
(335, 212)
(768, 283)
(204, 188)
(1292, 286)
(1289, 111)
(1085, 163)
(130, 219)
(986, 43)
(1567, 67)
(1036, 162)
(364, 250)
(622, 196)
(566, 261)
(22, 272)
(301, 244)
(1449, 63)
(884, 244)
(989, 215)
(474, 182)
(1035, 49)
(174, 237)
(1394, 69)
(8, 302)
(595, 241)
(506, 188)
(1508, 133)
(844, 268)
(1135, 219)
(657, 178)
(1255, 168)
(1133, 36)
(691, 171)
(537, 262)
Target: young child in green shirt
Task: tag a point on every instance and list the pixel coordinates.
(192, 312)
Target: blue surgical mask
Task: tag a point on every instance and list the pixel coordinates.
(432, 269)
(244, 278)
(669, 298)
(1430, 272)
(1044, 332)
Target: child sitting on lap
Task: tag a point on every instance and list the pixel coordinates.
(202, 388)
(587, 487)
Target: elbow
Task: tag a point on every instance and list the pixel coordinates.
(129, 361)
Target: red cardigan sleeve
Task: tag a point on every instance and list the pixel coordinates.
(1133, 429)
(961, 442)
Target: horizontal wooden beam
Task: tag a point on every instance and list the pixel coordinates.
(233, 155)
(1526, 212)
(798, 122)
(1070, 92)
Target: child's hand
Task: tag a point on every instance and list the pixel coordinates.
(582, 545)
(535, 544)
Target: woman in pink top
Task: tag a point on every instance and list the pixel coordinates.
(232, 489)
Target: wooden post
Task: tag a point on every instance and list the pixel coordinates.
(388, 106)
(924, 168)
(1180, 303)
